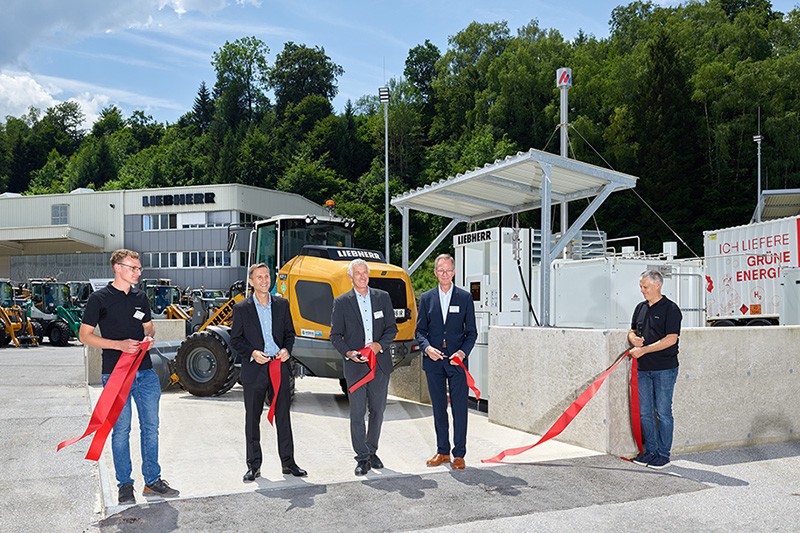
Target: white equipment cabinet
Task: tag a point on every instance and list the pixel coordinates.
(589, 293)
(486, 267)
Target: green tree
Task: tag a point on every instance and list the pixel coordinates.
(109, 121)
(242, 80)
(203, 108)
(300, 72)
(462, 76)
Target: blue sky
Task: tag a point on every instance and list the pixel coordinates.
(153, 54)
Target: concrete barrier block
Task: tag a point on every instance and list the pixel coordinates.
(409, 382)
(166, 330)
(735, 387)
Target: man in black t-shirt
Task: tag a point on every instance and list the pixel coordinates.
(123, 314)
(655, 328)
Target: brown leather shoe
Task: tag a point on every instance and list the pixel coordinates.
(458, 463)
(438, 459)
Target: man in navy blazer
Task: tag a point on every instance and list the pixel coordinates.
(445, 329)
(360, 318)
(262, 330)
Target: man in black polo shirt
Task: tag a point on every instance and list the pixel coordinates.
(655, 327)
(123, 314)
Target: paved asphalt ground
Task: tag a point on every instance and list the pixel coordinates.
(44, 400)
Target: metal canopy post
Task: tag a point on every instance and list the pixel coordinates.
(439, 238)
(544, 265)
(404, 261)
(588, 212)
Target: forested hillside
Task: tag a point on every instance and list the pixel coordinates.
(671, 96)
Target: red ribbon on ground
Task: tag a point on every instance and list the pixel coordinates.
(572, 411)
(111, 402)
(275, 379)
(367, 353)
(470, 379)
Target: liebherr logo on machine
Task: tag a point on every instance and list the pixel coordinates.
(225, 311)
(359, 254)
(477, 236)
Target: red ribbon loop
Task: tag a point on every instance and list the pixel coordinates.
(367, 353)
(275, 379)
(572, 411)
(111, 402)
(470, 379)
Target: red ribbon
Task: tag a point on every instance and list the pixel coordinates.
(470, 379)
(636, 421)
(111, 402)
(572, 411)
(275, 379)
(367, 353)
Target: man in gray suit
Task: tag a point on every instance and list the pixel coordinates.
(364, 317)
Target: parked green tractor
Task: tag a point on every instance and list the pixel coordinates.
(52, 307)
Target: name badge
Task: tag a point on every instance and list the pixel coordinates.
(138, 315)
(378, 314)
(454, 309)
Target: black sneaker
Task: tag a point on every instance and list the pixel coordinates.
(644, 459)
(375, 462)
(659, 462)
(160, 488)
(125, 496)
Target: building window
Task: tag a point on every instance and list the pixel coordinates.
(158, 222)
(217, 219)
(59, 214)
(160, 260)
(247, 218)
(211, 258)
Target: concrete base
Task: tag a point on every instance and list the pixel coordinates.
(166, 330)
(409, 382)
(736, 386)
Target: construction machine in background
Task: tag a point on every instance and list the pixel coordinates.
(53, 309)
(15, 326)
(80, 292)
(310, 256)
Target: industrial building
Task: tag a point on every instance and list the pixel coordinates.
(181, 232)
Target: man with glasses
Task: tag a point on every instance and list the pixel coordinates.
(123, 314)
(446, 330)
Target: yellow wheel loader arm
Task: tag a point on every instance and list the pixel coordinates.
(223, 316)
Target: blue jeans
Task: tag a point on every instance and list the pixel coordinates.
(655, 405)
(146, 392)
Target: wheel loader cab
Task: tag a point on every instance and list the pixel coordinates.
(281, 238)
(310, 255)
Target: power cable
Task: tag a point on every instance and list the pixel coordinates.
(637, 195)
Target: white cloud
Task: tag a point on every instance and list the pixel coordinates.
(20, 91)
(27, 24)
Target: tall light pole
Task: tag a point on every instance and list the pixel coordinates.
(383, 95)
(758, 138)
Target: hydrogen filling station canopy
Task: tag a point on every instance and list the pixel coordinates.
(529, 180)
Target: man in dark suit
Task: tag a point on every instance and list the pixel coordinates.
(262, 330)
(446, 329)
(364, 317)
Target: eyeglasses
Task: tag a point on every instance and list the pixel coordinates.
(443, 271)
(134, 268)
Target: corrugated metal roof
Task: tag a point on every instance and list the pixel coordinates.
(511, 185)
(779, 203)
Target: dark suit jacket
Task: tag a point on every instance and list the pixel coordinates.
(347, 330)
(246, 333)
(459, 330)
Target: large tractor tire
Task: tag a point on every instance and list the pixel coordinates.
(38, 331)
(205, 365)
(59, 333)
